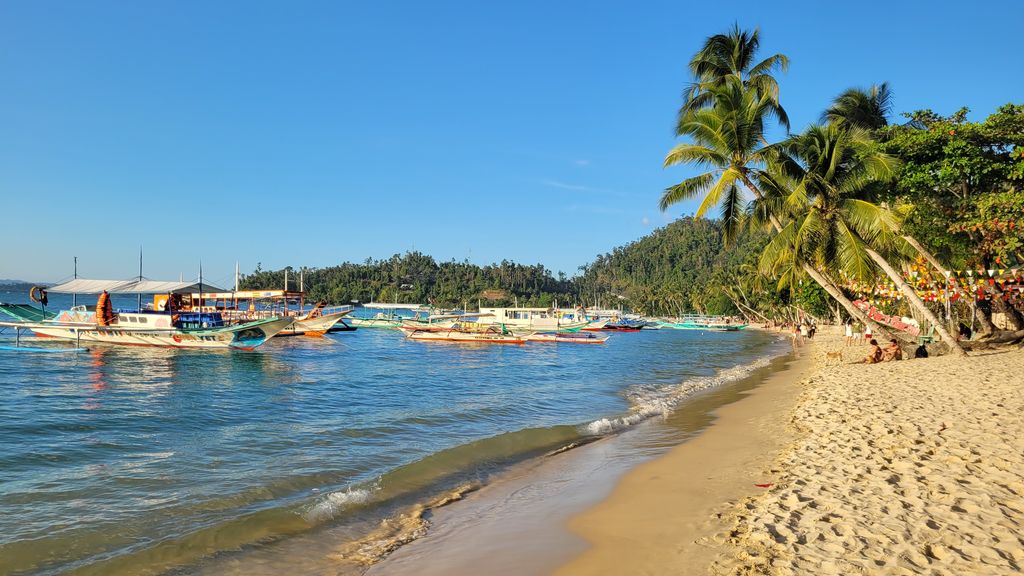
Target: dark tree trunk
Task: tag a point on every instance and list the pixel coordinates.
(983, 314)
(1014, 321)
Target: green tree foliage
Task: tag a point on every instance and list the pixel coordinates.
(964, 180)
(678, 268)
(417, 278)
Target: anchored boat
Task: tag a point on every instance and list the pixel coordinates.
(532, 319)
(250, 305)
(465, 332)
(163, 325)
(568, 337)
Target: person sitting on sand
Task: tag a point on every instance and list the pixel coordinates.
(892, 352)
(875, 355)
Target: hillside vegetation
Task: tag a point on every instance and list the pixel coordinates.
(678, 268)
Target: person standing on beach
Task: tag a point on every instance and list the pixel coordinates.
(867, 333)
(849, 332)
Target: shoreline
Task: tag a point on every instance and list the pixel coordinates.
(532, 503)
(907, 467)
(658, 517)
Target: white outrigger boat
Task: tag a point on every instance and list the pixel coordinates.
(698, 322)
(388, 317)
(251, 305)
(164, 326)
(568, 337)
(532, 319)
(465, 332)
(379, 320)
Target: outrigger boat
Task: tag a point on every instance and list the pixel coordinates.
(250, 305)
(379, 320)
(533, 319)
(568, 337)
(466, 332)
(161, 326)
(709, 323)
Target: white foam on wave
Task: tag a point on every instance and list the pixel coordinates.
(329, 505)
(659, 402)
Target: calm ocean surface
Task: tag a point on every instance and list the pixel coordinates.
(135, 460)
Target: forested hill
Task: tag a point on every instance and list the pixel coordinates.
(676, 268)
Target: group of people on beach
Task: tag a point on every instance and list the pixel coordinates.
(799, 330)
(878, 354)
(854, 330)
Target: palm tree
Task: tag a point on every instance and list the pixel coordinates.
(869, 110)
(858, 108)
(832, 225)
(732, 55)
(728, 139)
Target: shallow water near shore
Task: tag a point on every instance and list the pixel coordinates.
(149, 461)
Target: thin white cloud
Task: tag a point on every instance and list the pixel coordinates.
(592, 209)
(583, 188)
(582, 162)
(564, 186)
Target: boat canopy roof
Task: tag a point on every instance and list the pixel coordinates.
(394, 306)
(134, 286)
(248, 294)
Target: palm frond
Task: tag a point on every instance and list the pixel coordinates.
(695, 154)
(687, 190)
(713, 196)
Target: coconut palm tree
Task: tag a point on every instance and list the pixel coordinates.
(859, 108)
(732, 55)
(831, 224)
(728, 139)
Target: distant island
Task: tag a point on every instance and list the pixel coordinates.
(19, 285)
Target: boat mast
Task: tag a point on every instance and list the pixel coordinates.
(200, 288)
(74, 297)
(234, 295)
(139, 308)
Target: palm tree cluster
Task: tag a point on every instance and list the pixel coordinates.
(816, 190)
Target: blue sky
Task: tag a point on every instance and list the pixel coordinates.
(310, 133)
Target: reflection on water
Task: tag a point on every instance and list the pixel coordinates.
(129, 459)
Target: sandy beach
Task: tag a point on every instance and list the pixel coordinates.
(908, 467)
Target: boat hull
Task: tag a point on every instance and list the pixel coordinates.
(463, 336)
(568, 338)
(315, 327)
(374, 323)
(243, 337)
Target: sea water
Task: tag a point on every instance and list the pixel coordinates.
(126, 460)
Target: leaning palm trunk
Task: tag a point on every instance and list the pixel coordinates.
(927, 255)
(830, 287)
(916, 301)
(822, 278)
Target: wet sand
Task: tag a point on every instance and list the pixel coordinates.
(912, 467)
(658, 518)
